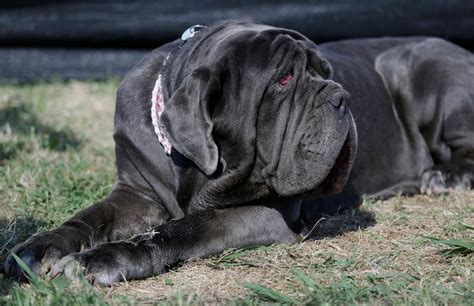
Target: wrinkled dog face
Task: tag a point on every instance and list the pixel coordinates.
(262, 94)
(307, 135)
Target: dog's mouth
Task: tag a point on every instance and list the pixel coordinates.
(318, 165)
(339, 173)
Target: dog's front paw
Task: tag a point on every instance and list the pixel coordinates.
(442, 180)
(109, 263)
(39, 253)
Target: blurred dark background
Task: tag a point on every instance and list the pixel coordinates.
(44, 40)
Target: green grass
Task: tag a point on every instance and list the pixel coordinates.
(57, 157)
(390, 288)
(58, 291)
(50, 169)
(456, 246)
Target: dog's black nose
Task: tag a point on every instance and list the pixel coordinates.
(339, 99)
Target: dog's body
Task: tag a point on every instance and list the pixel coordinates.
(249, 138)
(416, 132)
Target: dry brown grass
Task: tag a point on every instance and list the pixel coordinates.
(393, 246)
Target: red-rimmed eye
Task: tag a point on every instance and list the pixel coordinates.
(285, 79)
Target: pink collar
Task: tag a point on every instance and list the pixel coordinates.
(157, 108)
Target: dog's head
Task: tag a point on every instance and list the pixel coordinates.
(260, 98)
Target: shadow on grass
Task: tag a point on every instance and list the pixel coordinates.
(19, 123)
(350, 220)
(334, 215)
(13, 232)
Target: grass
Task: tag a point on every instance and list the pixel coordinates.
(54, 292)
(56, 157)
(456, 246)
(51, 165)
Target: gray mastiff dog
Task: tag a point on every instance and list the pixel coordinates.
(241, 134)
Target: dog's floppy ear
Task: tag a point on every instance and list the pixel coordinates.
(187, 122)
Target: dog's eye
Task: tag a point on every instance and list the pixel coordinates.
(285, 79)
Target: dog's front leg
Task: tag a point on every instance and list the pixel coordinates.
(200, 234)
(125, 213)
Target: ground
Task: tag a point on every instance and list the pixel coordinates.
(56, 157)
